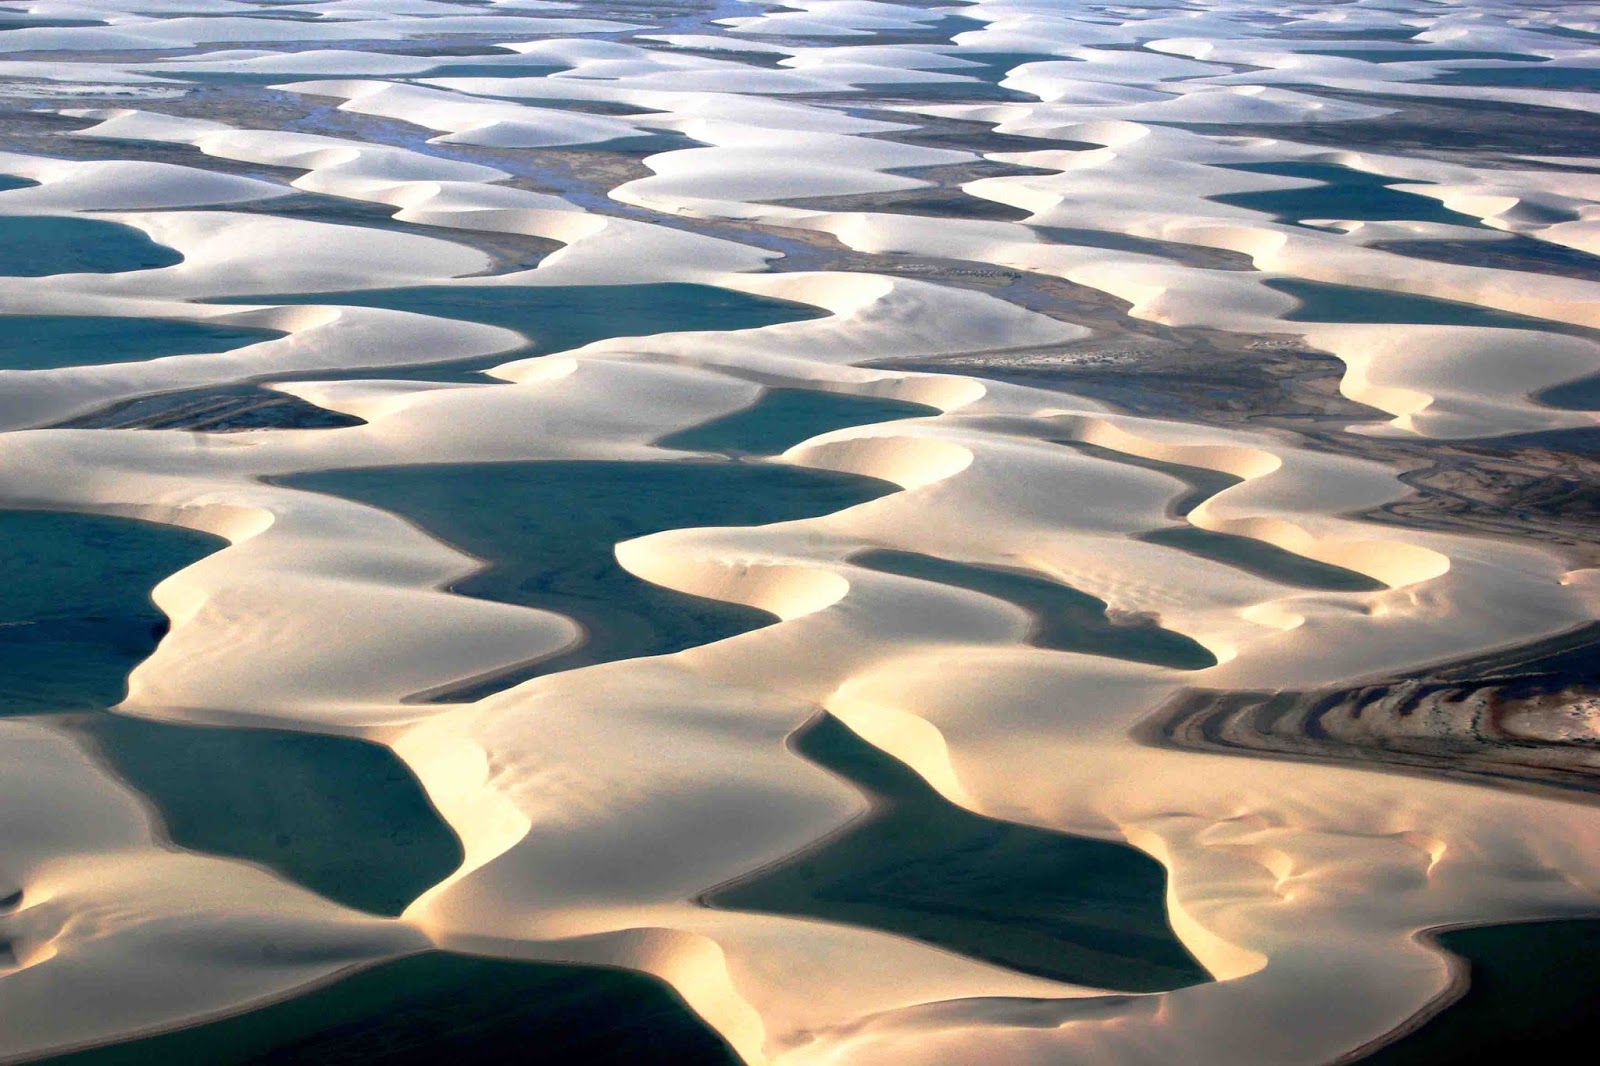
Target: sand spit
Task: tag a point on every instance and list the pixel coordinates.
(1176, 640)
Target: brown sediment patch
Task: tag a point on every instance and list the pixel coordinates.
(225, 409)
(39, 133)
(601, 169)
(1505, 490)
(1208, 376)
(1541, 488)
(1525, 718)
(303, 111)
(938, 203)
(1519, 253)
(1213, 376)
(964, 135)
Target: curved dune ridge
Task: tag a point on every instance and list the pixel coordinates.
(849, 531)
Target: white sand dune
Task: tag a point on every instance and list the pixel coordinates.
(104, 905)
(598, 807)
(116, 185)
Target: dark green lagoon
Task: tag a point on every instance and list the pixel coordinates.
(27, 22)
(1544, 76)
(343, 817)
(513, 66)
(557, 318)
(34, 246)
(1065, 907)
(45, 342)
(1344, 193)
(75, 610)
(1065, 619)
(439, 1008)
(1262, 559)
(1532, 995)
(1203, 482)
(1190, 254)
(782, 418)
(1580, 395)
(1323, 302)
(1242, 553)
(548, 531)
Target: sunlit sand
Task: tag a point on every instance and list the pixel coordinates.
(836, 532)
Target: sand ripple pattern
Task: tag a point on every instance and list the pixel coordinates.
(1217, 377)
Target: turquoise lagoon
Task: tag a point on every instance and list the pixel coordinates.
(48, 342)
(34, 246)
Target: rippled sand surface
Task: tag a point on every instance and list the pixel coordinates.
(846, 531)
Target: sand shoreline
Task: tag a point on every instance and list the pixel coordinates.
(1219, 553)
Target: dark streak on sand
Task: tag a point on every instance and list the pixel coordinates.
(1526, 718)
(223, 409)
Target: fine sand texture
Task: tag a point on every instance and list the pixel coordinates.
(826, 533)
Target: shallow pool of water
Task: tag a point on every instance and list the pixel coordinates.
(1066, 907)
(1203, 482)
(1344, 193)
(1531, 998)
(558, 318)
(343, 817)
(1065, 619)
(437, 1008)
(1191, 254)
(47, 342)
(75, 610)
(1545, 76)
(1322, 302)
(34, 246)
(548, 531)
(1580, 395)
(1262, 559)
(1508, 252)
(444, 69)
(1242, 553)
(782, 418)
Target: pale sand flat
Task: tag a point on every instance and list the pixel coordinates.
(597, 806)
